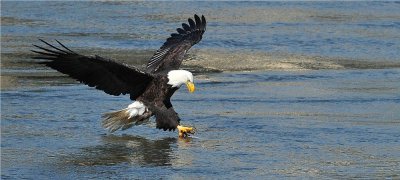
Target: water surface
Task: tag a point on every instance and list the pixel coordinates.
(321, 101)
(337, 124)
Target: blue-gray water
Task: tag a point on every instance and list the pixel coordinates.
(324, 103)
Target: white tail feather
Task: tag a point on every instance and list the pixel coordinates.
(135, 114)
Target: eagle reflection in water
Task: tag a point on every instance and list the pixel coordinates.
(127, 149)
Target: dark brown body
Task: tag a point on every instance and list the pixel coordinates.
(150, 88)
(157, 98)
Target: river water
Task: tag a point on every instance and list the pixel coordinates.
(309, 90)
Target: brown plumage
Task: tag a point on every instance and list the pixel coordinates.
(171, 53)
(151, 89)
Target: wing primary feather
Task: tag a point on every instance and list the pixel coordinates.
(44, 53)
(53, 46)
(181, 31)
(175, 35)
(192, 23)
(47, 58)
(198, 21)
(104, 74)
(186, 27)
(172, 52)
(65, 47)
(204, 23)
(47, 50)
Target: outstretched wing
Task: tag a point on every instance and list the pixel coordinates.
(104, 74)
(171, 53)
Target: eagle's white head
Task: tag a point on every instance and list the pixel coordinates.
(179, 77)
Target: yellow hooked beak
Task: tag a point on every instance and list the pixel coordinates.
(190, 86)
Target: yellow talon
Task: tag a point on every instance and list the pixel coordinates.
(184, 131)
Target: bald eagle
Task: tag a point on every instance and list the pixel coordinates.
(150, 91)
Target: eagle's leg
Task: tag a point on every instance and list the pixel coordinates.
(184, 131)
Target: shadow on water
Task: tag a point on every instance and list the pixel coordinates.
(130, 149)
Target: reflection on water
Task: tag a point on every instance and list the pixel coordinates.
(334, 115)
(130, 149)
(307, 124)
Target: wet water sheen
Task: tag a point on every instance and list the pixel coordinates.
(355, 30)
(337, 124)
(323, 103)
